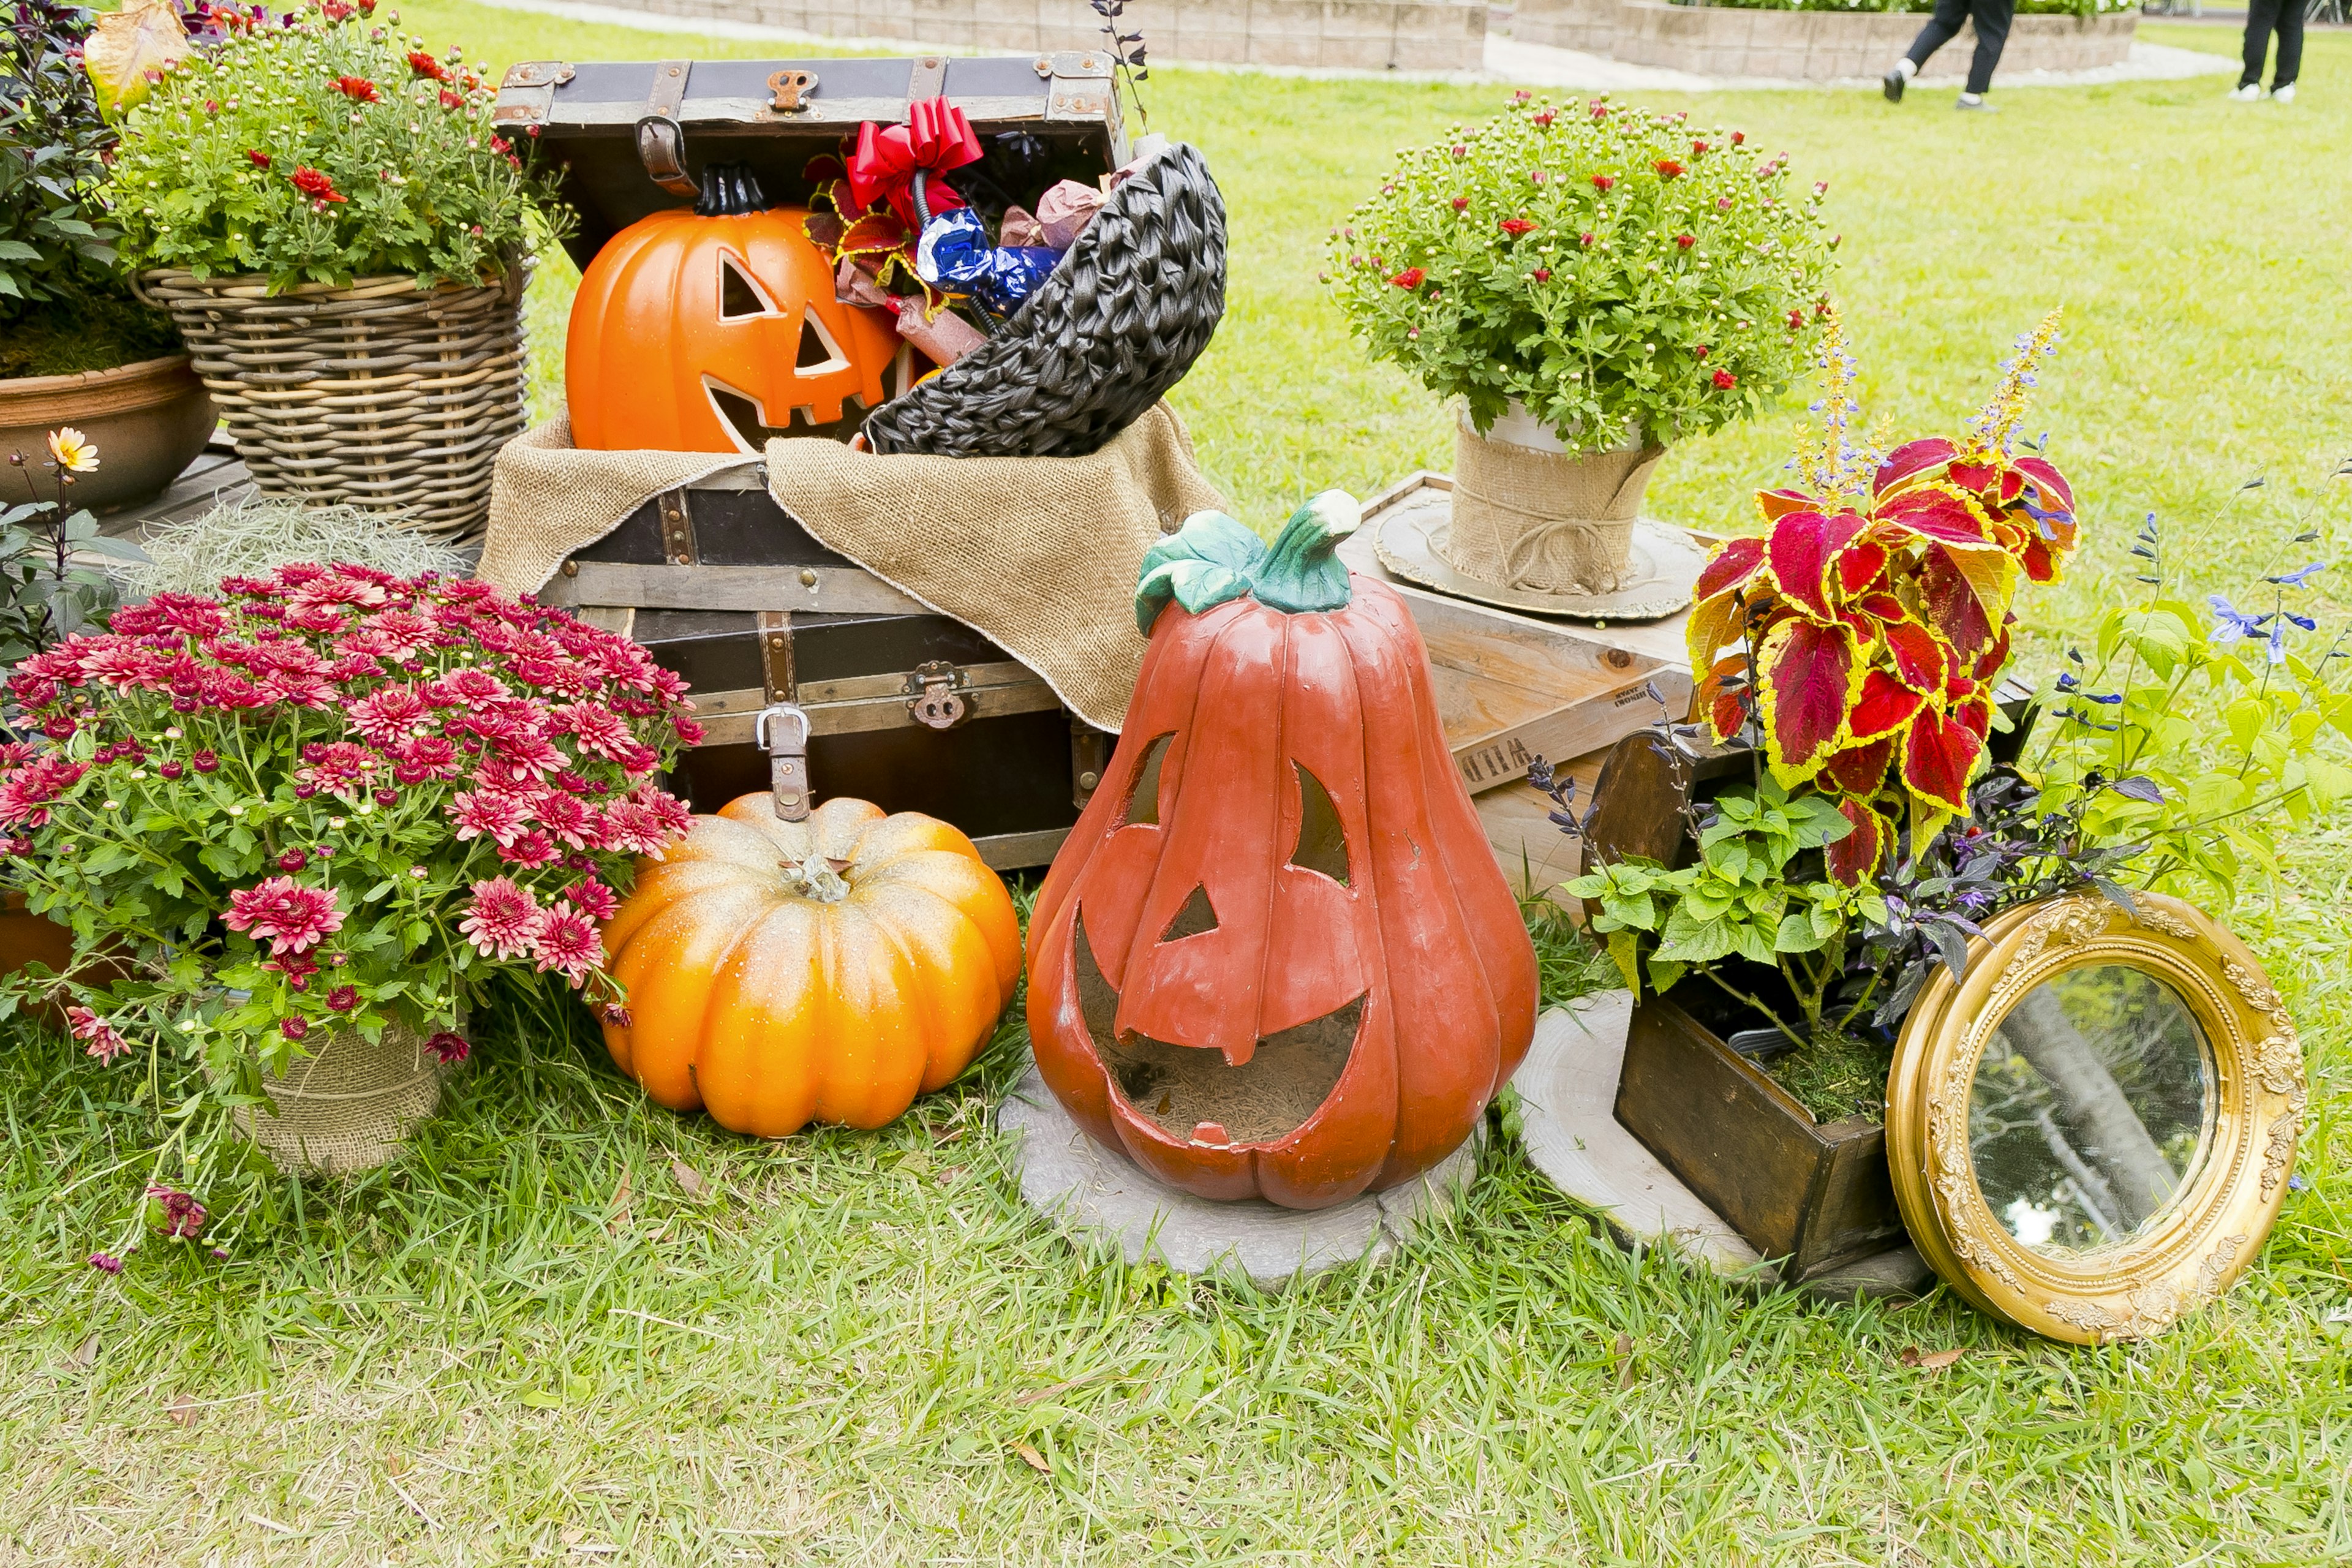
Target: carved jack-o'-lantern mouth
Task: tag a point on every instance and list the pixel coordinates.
(1196, 1094)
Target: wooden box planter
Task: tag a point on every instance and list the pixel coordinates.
(1816, 1195)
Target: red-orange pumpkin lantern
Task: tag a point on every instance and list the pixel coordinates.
(709, 329)
(1276, 958)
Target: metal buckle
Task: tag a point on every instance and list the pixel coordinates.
(790, 90)
(788, 771)
(932, 698)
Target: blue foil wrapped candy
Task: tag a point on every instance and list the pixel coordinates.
(954, 254)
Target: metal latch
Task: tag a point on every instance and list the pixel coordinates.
(931, 696)
(790, 90)
(788, 769)
(661, 140)
(527, 92)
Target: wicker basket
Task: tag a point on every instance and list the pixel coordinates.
(380, 395)
(1118, 322)
(347, 1106)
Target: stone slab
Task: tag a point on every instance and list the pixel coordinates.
(1096, 1194)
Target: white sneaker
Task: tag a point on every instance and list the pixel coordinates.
(2284, 95)
(2249, 93)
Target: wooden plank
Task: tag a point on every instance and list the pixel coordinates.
(822, 590)
(213, 478)
(1535, 855)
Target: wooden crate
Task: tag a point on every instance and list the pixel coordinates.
(1512, 688)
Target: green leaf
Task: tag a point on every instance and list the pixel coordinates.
(1624, 949)
(1797, 934)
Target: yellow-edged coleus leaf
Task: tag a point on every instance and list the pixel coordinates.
(1774, 505)
(1812, 677)
(1940, 754)
(1916, 657)
(1854, 858)
(1884, 707)
(1718, 697)
(129, 50)
(1802, 552)
(1938, 512)
(1912, 461)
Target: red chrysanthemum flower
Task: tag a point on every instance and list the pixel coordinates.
(317, 184)
(104, 1041)
(1724, 381)
(257, 158)
(283, 912)
(358, 89)
(1668, 168)
(1603, 182)
(447, 1048)
(1685, 240)
(501, 919)
(183, 1215)
(1542, 275)
(566, 943)
(426, 67)
(1516, 226)
(342, 998)
(1410, 277)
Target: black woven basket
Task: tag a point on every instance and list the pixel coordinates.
(1119, 323)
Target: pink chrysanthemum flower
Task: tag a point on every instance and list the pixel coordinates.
(501, 920)
(530, 851)
(388, 715)
(106, 1263)
(596, 901)
(105, 1042)
(449, 1049)
(183, 1215)
(566, 943)
(478, 815)
(288, 916)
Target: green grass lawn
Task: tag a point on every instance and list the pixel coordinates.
(530, 1338)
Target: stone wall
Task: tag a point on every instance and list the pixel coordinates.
(1806, 46)
(1355, 34)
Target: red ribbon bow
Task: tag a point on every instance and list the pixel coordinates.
(935, 138)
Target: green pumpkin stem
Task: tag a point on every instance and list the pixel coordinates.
(1303, 571)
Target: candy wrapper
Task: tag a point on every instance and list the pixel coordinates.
(943, 338)
(955, 254)
(1064, 210)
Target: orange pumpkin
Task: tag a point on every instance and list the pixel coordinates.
(831, 970)
(709, 329)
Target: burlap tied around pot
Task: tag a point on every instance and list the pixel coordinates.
(348, 1105)
(1038, 554)
(1528, 518)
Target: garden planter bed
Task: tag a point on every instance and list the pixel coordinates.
(1806, 46)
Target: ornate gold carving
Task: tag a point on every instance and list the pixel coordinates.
(2186, 1255)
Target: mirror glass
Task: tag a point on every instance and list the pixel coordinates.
(2090, 1109)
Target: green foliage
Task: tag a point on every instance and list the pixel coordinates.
(323, 151)
(53, 145)
(1608, 267)
(1744, 897)
(2226, 727)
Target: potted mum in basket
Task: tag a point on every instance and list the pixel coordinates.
(297, 829)
(1593, 282)
(320, 190)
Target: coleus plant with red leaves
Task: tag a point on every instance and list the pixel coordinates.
(1860, 640)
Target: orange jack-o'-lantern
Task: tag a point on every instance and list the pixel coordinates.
(1276, 958)
(711, 329)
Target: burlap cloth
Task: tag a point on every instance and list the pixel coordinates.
(1038, 554)
(1544, 520)
(348, 1105)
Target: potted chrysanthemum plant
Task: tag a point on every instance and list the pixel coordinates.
(1591, 281)
(297, 830)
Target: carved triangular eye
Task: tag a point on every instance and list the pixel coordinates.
(817, 349)
(739, 295)
(1322, 839)
(1198, 915)
(1143, 800)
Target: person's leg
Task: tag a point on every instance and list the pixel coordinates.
(1941, 26)
(1991, 18)
(2290, 47)
(2261, 16)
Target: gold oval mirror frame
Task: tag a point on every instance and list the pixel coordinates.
(2091, 1134)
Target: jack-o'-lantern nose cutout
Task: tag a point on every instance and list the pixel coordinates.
(1197, 916)
(1322, 840)
(1186, 1091)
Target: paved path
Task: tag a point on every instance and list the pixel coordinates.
(1535, 65)
(1539, 66)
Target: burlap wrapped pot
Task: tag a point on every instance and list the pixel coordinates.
(348, 1105)
(1527, 514)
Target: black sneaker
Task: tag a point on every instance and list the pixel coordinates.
(1892, 84)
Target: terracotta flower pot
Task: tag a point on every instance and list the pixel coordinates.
(1530, 514)
(148, 421)
(26, 938)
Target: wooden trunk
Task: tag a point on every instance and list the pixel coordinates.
(1816, 1196)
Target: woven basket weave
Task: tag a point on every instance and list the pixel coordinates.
(1118, 322)
(380, 395)
(347, 1106)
